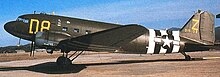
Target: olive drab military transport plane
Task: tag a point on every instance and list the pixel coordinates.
(73, 34)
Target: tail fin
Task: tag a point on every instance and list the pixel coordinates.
(200, 28)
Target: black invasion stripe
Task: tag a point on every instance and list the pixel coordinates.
(157, 48)
(157, 32)
(169, 50)
(169, 32)
(157, 45)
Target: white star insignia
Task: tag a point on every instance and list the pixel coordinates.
(166, 42)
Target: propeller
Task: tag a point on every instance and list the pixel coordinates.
(32, 45)
(19, 42)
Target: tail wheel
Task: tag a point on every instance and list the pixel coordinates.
(188, 58)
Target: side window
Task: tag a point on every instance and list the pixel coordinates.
(58, 22)
(88, 31)
(68, 22)
(65, 29)
(23, 20)
(76, 30)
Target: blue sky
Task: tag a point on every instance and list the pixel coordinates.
(157, 14)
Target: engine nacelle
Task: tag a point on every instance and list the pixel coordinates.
(43, 39)
(49, 40)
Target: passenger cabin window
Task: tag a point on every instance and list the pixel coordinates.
(76, 30)
(68, 22)
(88, 31)
(58, 22)
(65, 28)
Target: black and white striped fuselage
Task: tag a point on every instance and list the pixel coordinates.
(163, 41)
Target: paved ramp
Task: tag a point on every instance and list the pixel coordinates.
(118, 65)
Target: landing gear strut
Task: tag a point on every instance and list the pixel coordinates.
(187, 57)
(64, 60)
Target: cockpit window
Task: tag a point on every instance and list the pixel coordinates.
(23, 20)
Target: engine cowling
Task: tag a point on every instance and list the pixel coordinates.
(49, 40)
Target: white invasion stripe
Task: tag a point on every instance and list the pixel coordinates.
(176, 38)
(163, 50)
(151, 41)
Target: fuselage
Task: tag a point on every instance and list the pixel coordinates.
(73, 34)
(153, 41)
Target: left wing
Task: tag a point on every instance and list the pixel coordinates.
(110, 39)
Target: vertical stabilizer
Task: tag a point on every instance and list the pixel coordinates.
(200, 28)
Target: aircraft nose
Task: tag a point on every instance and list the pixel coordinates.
(9, 26)
(18, 29)
(15, 28)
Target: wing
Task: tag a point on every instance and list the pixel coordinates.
(110, 39)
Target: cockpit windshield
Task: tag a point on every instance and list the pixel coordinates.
(23, 20)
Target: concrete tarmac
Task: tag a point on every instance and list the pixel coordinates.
(204, 64)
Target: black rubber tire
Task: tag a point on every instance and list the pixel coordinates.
(63, 61)
(188, 58)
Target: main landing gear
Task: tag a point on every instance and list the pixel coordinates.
(64, 60)
(187, 57)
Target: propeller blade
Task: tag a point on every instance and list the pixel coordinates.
(19, 42)
(32, 45)
(31, 48)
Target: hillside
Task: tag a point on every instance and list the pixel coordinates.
(12, 49)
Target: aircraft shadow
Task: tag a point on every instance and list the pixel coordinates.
(52, 68)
